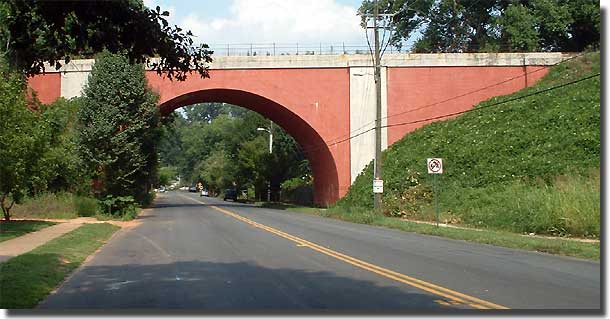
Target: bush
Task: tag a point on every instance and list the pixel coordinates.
(85, 206)
(124, 207)
(298, 191)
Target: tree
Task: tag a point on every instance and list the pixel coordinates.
(494, 25)
(22, 141)
(63, 167)
(35, 32)
(119, 131)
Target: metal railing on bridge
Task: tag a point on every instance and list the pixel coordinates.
(269, 49)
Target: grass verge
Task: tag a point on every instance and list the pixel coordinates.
(290, 207)
(16, 228)
(557, 246)
(27, 279)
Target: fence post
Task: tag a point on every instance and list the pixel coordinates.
(343, 43)
(228, 50)
(320, 48)
(297, 49)
(273, 48)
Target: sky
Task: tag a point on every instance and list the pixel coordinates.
(220, 22)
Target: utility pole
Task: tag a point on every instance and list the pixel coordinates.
(377, 173)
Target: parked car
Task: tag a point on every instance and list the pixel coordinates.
(204, 192)
(230, 194)
(162, 189)
(193, 189)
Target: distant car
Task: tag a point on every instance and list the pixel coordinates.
(162, 189)
(230, 194)
(204, 192)
(193, 189)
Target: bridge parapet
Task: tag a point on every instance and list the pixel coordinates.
(362, 60)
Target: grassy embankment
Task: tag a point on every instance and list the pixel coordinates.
(526, 166)
(27, 279)
(16, 228)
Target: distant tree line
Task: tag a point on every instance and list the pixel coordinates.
(219, 145)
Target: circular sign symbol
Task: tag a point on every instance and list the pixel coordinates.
(435, 166)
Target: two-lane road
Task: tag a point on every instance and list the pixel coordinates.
(202, 253)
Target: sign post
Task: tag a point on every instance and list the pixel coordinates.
(435, 167)
(377, 186)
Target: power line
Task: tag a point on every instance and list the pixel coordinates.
(462, 95)
(320, 146)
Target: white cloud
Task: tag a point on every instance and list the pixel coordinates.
(279, 21)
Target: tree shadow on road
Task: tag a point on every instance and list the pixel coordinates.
(240, 288)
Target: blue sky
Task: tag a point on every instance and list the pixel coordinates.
(267, 21)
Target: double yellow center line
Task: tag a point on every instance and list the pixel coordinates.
(454, 296)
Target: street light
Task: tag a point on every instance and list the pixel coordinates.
(270, 137)
(270, 131)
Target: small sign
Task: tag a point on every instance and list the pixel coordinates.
(435, 166)
(377, 186)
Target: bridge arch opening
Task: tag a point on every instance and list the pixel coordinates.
(323, 166)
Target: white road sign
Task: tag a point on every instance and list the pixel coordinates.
(435, 165)
(377, 186)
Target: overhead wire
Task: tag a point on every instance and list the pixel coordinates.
(326, 145)
(461, 95)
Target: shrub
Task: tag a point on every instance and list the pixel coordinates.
(85, 206)
(119, 207)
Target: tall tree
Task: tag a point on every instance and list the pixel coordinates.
(23, 140)
(35, 32)
(120, 124)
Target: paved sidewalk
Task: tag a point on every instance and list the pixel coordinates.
(22, 244)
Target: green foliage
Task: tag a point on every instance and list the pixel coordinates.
(27, 279)
(85, 206)
(496, 155)
(119, 128)
(493, 26)
(298, 190)
(222, 148)
(122, 206)
(166, 175)
(63, 168)
(35, 32)
(23, 139)
(56, 205)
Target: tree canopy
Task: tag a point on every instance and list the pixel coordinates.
(492, 26)
(219, 145)
(35, 32)
(119, 128)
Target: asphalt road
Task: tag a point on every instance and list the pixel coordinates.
(225, 256)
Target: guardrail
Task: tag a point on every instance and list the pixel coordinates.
(268, 49)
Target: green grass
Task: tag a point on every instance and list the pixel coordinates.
(27, 279)
(529, 165)
(290, 207)
(65, 206)
(58, 206)
(16, 228)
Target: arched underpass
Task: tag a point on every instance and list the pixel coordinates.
(315, 149)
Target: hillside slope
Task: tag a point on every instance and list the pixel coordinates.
(528, 165)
